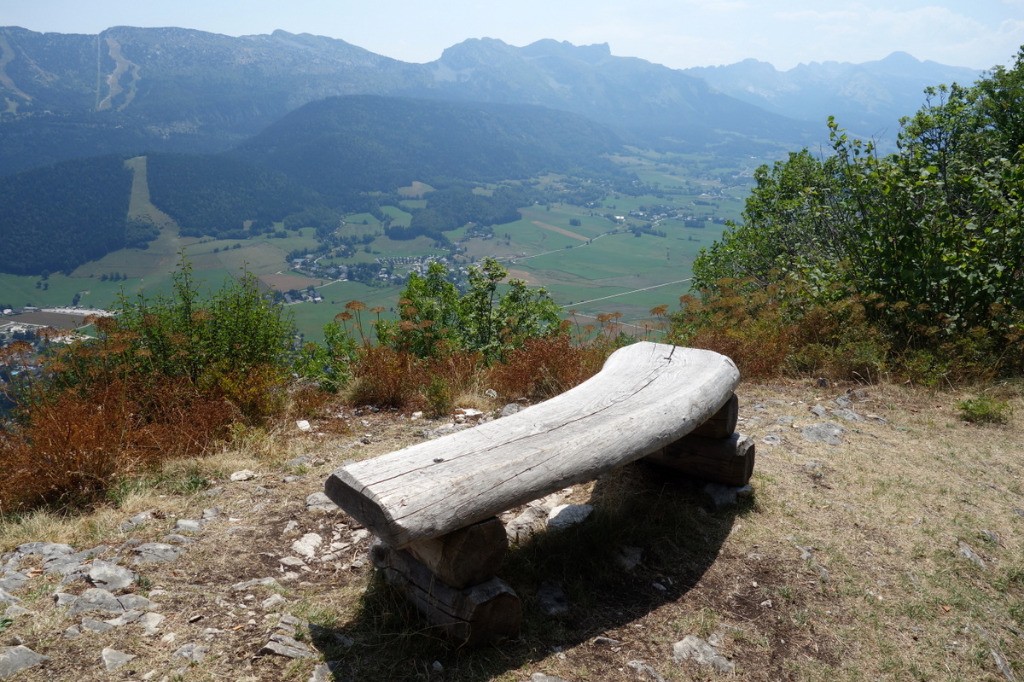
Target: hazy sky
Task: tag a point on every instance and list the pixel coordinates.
(677, 33)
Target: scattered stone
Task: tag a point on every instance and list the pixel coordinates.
(325, 672)
(177, 539)
(695, 649)
(843, 401)
(629, 558)
(150, 622)
(283, 645)
(726, 495)
(526, 525)
(273, 602)
(137, 520)
(191, 652)
(606, 641)
(243, 475)
(257, 582)
(320, 502)
(303, 425)
(510, 409)
(1019, 512)
(114, 659)
(292, 562)
(13, 581)
(110, 576)
(125, 618)
(93, 600)
(211, 513)
(72, 632)
(818, 410)
(188, 526)
(8, 598)
(156, 553)
(565, 515)
(97, 626)
(659, 587)
(552, 600)
(307, 545)
(970, 554)
(15, 611)
(848, 414)
(822, 432)
(785, 420)
(360, 535)
(541, 677)
(14, 659)
(642, 668)
(772, 439)
(437, 667)
(44, 549)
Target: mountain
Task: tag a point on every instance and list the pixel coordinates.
(868, 99)
(132, 90)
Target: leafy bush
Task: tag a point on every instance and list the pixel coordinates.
(985, 410)
(932, 237)
(436, 318)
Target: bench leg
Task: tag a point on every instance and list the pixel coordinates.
(728, 460)
(472, 615)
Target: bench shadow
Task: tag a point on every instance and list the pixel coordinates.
(640, 511)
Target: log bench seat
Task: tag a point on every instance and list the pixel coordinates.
(433, 506)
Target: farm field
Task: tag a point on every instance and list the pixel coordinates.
(592, 259)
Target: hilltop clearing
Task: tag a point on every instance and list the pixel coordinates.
(882, 540)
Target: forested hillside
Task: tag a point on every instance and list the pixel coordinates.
(57, 218)
(343, 146)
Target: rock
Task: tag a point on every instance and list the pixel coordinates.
(114, 659)
(818, 410)
(125, 618)
(188, 526)
(150, 622)
(110, 576)
(848, 414)
(629, 558)
(968, 553)
(646, 670)
(137, 520)
(96, 599)
(326, 672)
(822, 432)
(510, 409)
(176, 539)
(695, 649)
(320, 502)
(192, 652)
(97, 626)
(726, 495)
(772, 439)
(843, 401)
(243, 475)
(283, 645)
(307, 545)
(565, 515)
(211, 513)
(257, 582)
(13, 581)
(156, 553)
(526, 525)
(8, 598)
(44, 549)
(72, 632)
(15, 611)
(541, 677)
(552, 600)
(606, 641)
(14, 659)
(303, 425)
(273, 602)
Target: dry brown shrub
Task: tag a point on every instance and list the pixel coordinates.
(547, 366)
(386, 377)
(74, 444)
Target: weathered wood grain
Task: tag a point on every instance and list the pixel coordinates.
(729, 460)
(474, 615)
(647, 396)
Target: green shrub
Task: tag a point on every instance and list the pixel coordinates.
(985, 410)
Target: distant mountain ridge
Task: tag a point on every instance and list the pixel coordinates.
(867, 98)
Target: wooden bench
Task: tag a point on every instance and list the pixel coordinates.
(433, 505)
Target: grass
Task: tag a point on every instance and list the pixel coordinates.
(845, 565)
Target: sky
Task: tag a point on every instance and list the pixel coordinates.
(677, 33)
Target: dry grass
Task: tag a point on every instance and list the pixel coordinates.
(845, 565)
